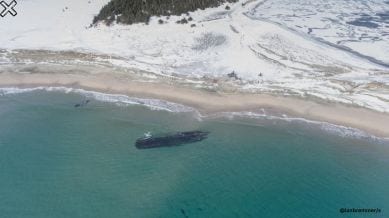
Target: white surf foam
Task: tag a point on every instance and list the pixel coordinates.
(157, 104)
(153, 104)
(343, 131)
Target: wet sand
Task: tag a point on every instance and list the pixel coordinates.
(376, 123)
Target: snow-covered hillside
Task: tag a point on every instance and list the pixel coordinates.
(266, 56)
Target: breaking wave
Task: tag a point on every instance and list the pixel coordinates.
(153, 104)
(342, 131)
(157, 104)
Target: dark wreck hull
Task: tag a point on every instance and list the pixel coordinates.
(176, 139)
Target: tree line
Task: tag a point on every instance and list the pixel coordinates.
(136, 11)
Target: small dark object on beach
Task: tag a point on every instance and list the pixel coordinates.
(174, 139)
(233, 75)
(83, 103)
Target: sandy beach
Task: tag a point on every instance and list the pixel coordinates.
(206, 102)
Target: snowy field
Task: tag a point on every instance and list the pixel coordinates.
(359, 25)
(254, 39)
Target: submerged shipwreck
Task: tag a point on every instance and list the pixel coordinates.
(169, 140)
(82, 104)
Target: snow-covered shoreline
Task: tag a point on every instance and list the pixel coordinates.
(265, 57)
(38, 61)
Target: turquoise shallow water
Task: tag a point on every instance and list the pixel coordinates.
(59, 161)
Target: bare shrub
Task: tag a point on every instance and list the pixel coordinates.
(209, 40)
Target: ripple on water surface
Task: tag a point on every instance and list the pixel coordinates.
(61, 161)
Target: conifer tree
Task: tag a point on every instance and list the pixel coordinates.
(136, 11)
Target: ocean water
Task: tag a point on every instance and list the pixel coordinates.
(60, 161)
